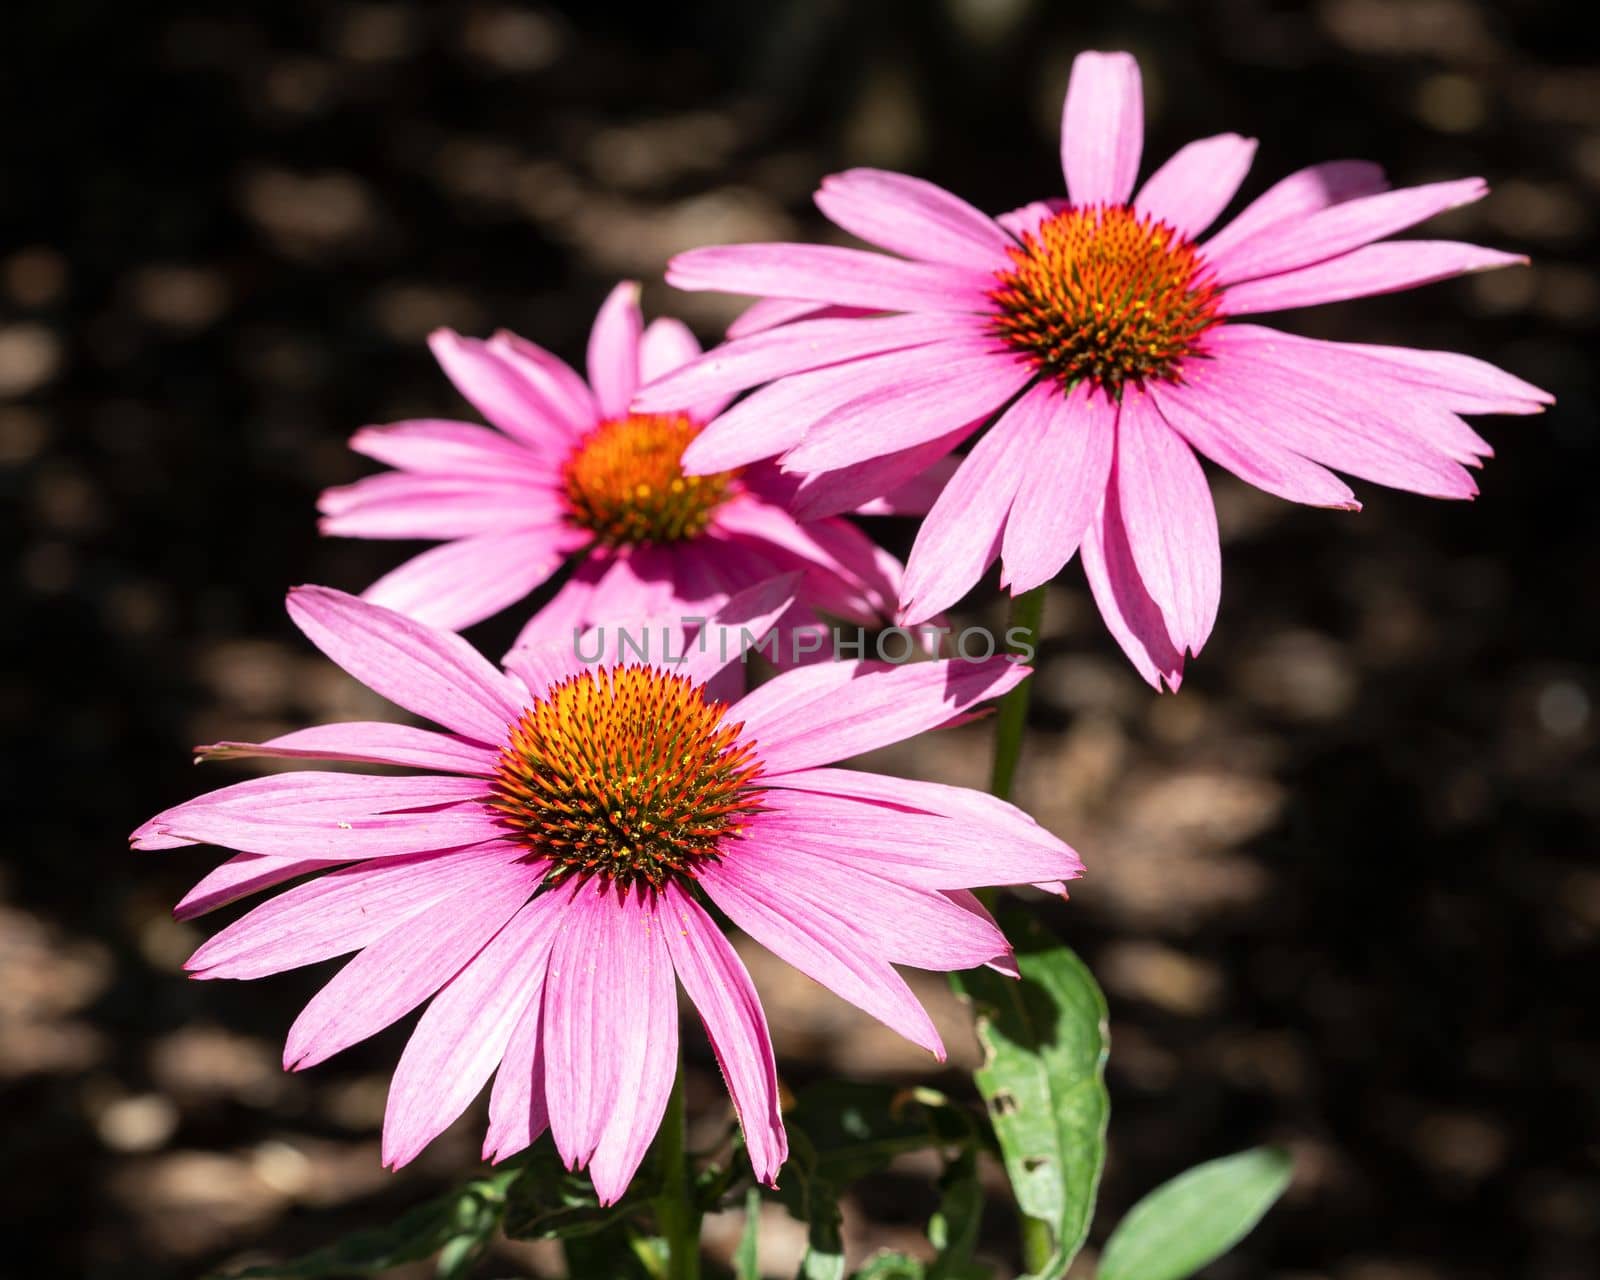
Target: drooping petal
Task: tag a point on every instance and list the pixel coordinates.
(912, 217)
(365, 742)
(463, 582)
(1234, 430)
(823, 950)
(1102, 128)
(1195, 185)
(1339, 229)
(432, 673)
(342, 911)
(1170, 520)
(961, 535)
(818, 715)
(1068, 459)
(960, 382)
(1132, 617)
(614, 349)
(239, 877)
(826, 273)
(1373, 269)
(796, 348)
(720, 988)
(1298, 195)
(463, 1034)
(517, 1110)
(400, 970)
(609, 1024)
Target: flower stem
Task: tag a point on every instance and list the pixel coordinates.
(1011, 723)
(677, 1217)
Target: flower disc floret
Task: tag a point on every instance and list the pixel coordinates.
(625, 484)
(1107, 294)
(626, 775)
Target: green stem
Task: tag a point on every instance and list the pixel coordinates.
(676, 1214)
(1011, 723)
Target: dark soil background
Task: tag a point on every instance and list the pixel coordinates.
(1343, 889)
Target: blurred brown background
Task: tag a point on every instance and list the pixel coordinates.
(1343, 890)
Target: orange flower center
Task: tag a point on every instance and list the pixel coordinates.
(1105, 293)
(625, 774)
(624, 482)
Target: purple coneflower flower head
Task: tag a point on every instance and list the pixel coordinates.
(544, 877)
(567, 473)
(1105, 342)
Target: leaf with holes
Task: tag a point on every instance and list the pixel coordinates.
(1195, 1218)
(1043, 1078)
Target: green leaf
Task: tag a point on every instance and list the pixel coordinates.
(814, 1199)
(548, 1202)
(856, 1129)
(1043, 1078)
(1197, 1217)
(954, 1227)
(746, 1264)
(458, 1226)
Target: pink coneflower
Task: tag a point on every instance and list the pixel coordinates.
(572, 475)
(548, 871)
(1100, 338)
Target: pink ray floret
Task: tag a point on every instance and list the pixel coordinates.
(566, 476)
(542, 881)
(1098, 343)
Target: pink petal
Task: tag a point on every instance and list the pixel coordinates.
(1234, 430)
(463, 582)
(239, 877)
(962, 533)
(1195, 185)
(1330, 422)
(463, 1034)
(1170, 520)
(1102, 128)
(610, 1033)
(560, 394)
(337, 840)
(432, 673)
(776, 417)
(498, 390)
(719, 985)
(972, 844)
(822, 949)
(667, 345)
(517, 1111)
(769, 313)
(801, 867)
(564, 614)
(1132, 617)
(365, 742)
(912, 217)
(1377, 268)
(1338, 229)
(408, 964)
(817, 715)
(842, 567)
(1300, 194)
(906, 482)
(614, 349)
(826, 273)
(958, 382)
(402, 504)
(1020, 222)
(737, 626)
(1071, 439)
(307, 796)
(796, 348)
(447, 448)
(342, 911)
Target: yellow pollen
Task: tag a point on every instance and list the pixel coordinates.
(625, 484)
(1107, 294)
(627, 776)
